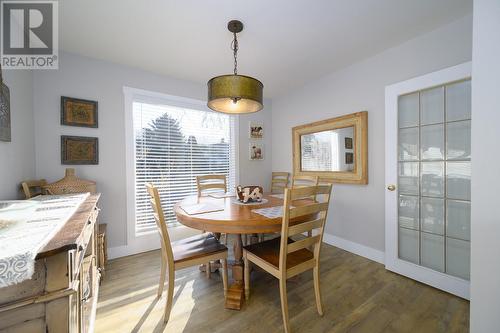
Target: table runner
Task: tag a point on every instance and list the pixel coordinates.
(20, 242)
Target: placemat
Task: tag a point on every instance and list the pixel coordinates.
(270, 212)
(201, 208)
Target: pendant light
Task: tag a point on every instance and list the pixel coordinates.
(233, 93)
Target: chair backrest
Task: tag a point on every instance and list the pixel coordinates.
(312, 216)
(301, 181)
(155, 200)
(209, 182)
(279, 181)
(33, 188)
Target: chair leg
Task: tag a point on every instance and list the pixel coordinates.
(224, 275)
(317, 290)
(207, 269)
(284, 305)
(163, 272)
(246, 277)
(170, 294)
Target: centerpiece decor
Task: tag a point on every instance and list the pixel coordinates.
(249, 194)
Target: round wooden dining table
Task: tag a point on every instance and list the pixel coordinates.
(235, 219)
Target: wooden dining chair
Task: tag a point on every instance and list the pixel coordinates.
(210, 182)
(192, 251)
(32, 188)
(279, 181)
(283, 257)
(301, 181)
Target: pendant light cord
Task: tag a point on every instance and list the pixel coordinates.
(234, 47)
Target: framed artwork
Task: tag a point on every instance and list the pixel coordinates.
(348, 143)
(79, 150)
(5, 129)
(256, 151)
(256, 130)
(78, 112)
(349, 158)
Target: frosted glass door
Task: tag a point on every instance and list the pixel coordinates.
(434, 169)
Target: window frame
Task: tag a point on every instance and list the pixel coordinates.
(145, 241)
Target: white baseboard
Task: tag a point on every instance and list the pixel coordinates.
(356, 248)
(344, 244)
(128, 250)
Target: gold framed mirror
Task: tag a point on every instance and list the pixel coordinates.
(336, 149)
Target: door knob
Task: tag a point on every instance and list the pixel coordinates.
(391, 187)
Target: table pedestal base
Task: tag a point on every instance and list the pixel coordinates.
(235, 297)
(235, 294)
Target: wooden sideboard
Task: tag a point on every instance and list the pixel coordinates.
(62, 294)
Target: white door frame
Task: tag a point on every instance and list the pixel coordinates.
(451, 284)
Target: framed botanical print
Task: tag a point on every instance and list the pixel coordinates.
(79, 150)
(256, 151)
(78, 112)
(256, 130)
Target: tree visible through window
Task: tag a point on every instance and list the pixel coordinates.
(174, 145)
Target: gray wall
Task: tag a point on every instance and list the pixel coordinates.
(485, 232)
(103, 81)
(357, 213)
(17, 158)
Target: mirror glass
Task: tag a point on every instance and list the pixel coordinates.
(331, 150)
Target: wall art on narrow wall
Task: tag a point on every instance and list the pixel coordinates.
(78, 112)
(256, 151)
(256, 130)
(348, 143)
(349, 158)
(5, 129)
(79, 150)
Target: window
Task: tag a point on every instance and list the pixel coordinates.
(173, 145)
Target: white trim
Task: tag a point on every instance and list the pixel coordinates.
(342, 243)
(149, 242)
(129, 250)
(356, 248)
(448, 283)
(154, 96)
(237, 150)
(129, 164)
(436, 279)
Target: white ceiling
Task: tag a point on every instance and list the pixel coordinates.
(285, 43)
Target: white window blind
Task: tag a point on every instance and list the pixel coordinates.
(173, 145)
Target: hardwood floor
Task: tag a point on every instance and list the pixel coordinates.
(359, 295)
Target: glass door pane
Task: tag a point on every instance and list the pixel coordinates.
(434, 178)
